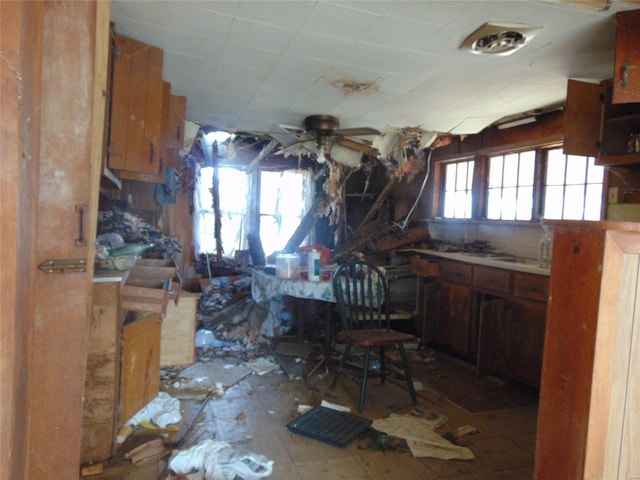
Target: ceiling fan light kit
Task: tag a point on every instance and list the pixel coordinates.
(499, 38)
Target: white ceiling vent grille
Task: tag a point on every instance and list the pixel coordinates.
(495, 38)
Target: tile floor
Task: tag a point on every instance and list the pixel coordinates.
(252, 414)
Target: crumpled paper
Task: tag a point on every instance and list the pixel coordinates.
(420, 437)
(220, 461)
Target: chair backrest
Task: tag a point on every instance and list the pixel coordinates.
(361, 290)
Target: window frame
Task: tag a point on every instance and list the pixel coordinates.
(481, 181)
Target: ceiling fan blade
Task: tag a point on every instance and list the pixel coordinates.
(350, 132)
(353, 145)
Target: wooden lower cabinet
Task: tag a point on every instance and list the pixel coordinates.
(102, 378)
(123, 369)
(491, 316)
(454, 317)
(524, 342)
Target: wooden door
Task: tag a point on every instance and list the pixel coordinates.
(454, 315)
(614, 417)
(56, 119)
(567, 366)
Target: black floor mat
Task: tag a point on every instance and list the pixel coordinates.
(329, 426)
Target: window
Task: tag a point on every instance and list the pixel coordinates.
(458, 181)
(573, 187)
(284, 199)
(511, 186)
(233, 191)
(283, 202)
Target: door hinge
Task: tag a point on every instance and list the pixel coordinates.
(70, 265)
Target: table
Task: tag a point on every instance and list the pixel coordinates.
(266, 287)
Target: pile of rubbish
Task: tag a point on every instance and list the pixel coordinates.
(134, 230)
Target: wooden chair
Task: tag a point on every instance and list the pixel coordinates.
(361, 290)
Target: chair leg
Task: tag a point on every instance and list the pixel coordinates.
(343, 360)
(365, 374)
(407, 373)
(383, 364)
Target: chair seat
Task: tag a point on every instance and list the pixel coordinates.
(376, 337)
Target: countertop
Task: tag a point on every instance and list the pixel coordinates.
(507, 262)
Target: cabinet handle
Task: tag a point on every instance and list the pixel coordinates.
(151, 152)
(178, 130)
(624, 74)
(81, 209)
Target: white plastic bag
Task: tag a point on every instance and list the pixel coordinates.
(220, 461)
(163, 410)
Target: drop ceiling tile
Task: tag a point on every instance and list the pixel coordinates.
(401, 33)
(431, 12)
(250, 56)
(151, 12)
(177, 65)
(334, 20)
(373, 57)
(249, 32)
(289, 65)
(378, 7)
(237, 80)
(225, 7)
(197, 22)
(186, 44)
(284, 14)
(320, 47)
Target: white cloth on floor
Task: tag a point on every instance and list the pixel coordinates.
(220, 461)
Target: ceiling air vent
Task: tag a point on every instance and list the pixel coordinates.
(495, 38)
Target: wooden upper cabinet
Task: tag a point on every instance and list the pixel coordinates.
(583, 118)
(136, 123)
(626, 77)
(177, 115)
(594, 126)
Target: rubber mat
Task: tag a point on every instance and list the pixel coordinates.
(329, 426)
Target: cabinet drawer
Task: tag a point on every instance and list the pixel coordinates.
(456, 272)
(424, 268)
(534, 287)
(493, 279)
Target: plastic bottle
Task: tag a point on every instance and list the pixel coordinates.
(313, 260)
(544, 248)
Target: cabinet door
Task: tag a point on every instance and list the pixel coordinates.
(454, 314)
(177, 114)
(626, 76)
(428, 311)
(136, 134)
(140, 380)
(491, 339)
(583, 118)
(524, 346)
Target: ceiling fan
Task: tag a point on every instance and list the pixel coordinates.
(323, 136)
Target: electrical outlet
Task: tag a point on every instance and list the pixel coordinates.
(612, 195)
